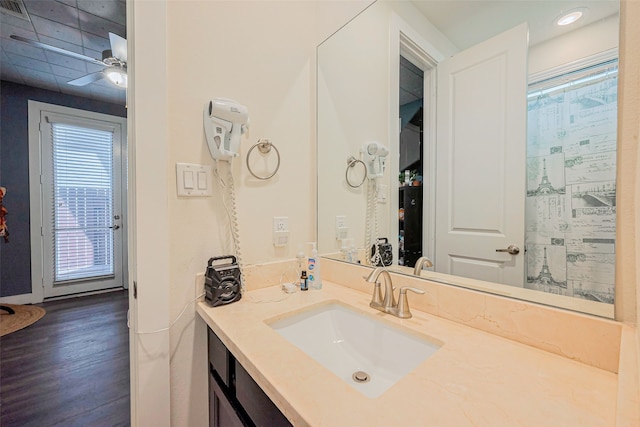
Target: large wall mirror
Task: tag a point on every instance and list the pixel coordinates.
(474, 143)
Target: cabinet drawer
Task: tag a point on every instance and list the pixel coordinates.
(262, 411)
(219, 358)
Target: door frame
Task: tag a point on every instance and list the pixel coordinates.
(35, 190)
(405, 41)
(148, 213)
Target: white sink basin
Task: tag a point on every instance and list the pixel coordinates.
(346, 341)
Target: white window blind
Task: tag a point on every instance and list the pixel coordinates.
(83, 202)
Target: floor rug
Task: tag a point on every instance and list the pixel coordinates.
(25, 315)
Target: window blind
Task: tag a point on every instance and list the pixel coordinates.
(571, 81)
(83, 202)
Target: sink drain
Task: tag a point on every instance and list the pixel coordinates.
(361, 377)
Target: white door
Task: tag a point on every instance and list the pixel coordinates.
(481, 142)
(82, 234)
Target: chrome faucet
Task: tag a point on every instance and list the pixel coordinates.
(388, 304)
(422, 262)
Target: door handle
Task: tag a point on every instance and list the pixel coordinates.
(115, 226)
(512, 249)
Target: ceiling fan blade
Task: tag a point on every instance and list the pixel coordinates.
(118, 47)
(85, 80)
(57, 50)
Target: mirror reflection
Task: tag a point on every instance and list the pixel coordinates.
(476, 139)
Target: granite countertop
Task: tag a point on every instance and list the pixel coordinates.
(474, 379)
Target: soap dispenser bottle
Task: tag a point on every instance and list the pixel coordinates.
(344, 250)
(353, 253)
(301, 258)
(313, 266)
(348, 252)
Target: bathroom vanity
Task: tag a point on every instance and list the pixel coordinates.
(475, 378)
(235, 399)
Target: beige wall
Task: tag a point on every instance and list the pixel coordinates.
(628, 290)
(263, 54)
(628, 249)
(628, 245)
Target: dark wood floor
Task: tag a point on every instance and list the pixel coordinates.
(70, 368)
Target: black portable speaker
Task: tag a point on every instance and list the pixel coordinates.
(222, 281)
(386, 252)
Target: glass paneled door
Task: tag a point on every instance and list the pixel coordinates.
(82, 204)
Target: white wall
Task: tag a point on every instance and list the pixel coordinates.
(261, 53)
(353, 78)
(575, 45)
(149, 252)
(354, 98)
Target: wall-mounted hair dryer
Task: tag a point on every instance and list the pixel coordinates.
(225, 120)
(374, 156)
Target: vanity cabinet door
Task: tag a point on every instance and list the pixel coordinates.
(262, 411)
(235, 400)
(221, 412)
(219, 358)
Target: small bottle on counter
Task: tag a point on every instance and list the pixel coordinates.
(304, 284)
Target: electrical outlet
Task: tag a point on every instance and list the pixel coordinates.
(381, 194)
(342, 230)
(280, 230)
(280, 223)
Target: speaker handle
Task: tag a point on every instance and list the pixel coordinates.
(232, 257)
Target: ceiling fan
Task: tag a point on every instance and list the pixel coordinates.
(114, 60)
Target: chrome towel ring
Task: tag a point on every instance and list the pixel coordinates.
(351, 163)
(264, 147)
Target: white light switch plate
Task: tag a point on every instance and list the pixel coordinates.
(194, 180)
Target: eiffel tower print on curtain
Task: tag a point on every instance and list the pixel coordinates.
(545, 186)
(543, 274)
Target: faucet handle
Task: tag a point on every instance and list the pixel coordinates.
(403, 302)
(404, 289)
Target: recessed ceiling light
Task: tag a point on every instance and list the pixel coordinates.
(571, 16)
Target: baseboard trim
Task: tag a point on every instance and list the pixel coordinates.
(84, 294)
(19, 299)
(23, 299)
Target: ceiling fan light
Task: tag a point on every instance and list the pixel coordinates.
(116, 76)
